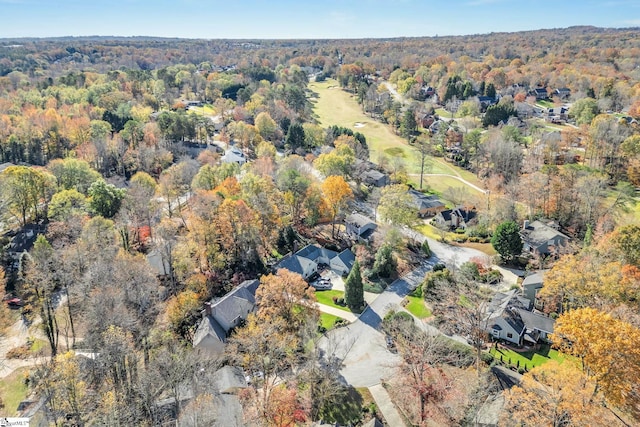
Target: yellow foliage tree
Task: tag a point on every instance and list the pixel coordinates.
(554, 394)
(337, 194)
(608, 349)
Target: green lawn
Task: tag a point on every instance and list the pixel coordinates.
(417, 307)
(13, 390)
(326, 298)
(328, 321)
(528, 359)
(333, 106)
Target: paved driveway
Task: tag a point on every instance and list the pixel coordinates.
(361, 346)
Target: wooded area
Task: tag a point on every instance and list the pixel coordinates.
(142, 179)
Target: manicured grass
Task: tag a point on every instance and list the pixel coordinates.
(333, 106)
(326, 298)
(545, 104)
(13, 391)
(444, 113)
(433, 233)
(417, 307)
(328, 321)
(528, 359)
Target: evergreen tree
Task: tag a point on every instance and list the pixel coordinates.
(384, 264)
(353, 289)
(295, 137)
(507, 241)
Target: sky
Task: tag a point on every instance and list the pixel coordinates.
(307, 19)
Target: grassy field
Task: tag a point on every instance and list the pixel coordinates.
(328, 321)
(417, 307)
(528, 359)
(326, 298)
(333, 106)
(13, 390)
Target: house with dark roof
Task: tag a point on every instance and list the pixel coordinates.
(305, 262)
(428, 205)
(221, 315)
(359, 227)
(455, 218)
(22, 241)
(531, 286)
(540, 93)
(562, 92)
(508, 319)
(375, 178)
(541, 238)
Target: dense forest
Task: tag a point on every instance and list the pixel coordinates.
(141, 178)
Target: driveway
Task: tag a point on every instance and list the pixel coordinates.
(361, 346)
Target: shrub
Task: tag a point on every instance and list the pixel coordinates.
(21, 352)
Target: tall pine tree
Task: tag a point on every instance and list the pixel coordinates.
(353, 290)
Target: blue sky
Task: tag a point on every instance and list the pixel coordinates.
(304, 18)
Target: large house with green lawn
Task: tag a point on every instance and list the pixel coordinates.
(508, 318)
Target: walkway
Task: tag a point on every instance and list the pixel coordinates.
(388, 409)
(347, 315)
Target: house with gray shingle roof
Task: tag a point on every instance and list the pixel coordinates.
(427, 204)
(541, 238)
(305, 262)
(221, 315)
(359, 226)
(508, 318)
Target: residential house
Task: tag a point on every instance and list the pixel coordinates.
(22, 241)
(486, 101)
(234, 155)
(428, 91)
(425, 120)
(455, 218)
(541, 238)
(220, 316)
(531, 285)
(375, 178)
(428, 205)
(562, 92)
(305, 262)
(557, 115)
(540, 93)
(359, 227)
(229, 380)
(525, 110)
(508, 319)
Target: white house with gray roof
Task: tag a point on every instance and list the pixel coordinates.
(508, 318)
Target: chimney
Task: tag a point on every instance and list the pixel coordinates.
(525, 225)
(207, 309)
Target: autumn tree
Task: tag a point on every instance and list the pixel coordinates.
(337, 195)
(422, 356)
(555, 394)
(73, 173)
(286, 295)
(353, 290)
(609, 357)
(460, 305)
(26, 189)
(38, 286)
(397, 206)
(264, 347)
